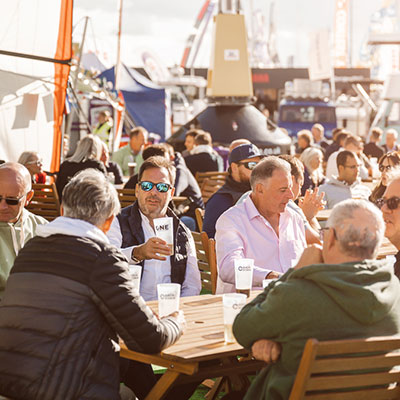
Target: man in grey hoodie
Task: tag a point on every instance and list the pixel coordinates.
(347, 185)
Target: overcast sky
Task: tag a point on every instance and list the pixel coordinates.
(162, 27)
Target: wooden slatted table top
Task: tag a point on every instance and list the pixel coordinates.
(204, 334)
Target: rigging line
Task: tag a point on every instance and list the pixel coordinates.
(94, 37)
(80, 110)
(37, 58)
(73, 28)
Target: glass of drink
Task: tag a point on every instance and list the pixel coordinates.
(168, 298)
(232, 303)
(244, 275)
(136, 273)
(164, 228)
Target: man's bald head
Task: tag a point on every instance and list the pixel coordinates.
(18, 173)
(15, 184)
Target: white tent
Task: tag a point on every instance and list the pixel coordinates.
(35, 52)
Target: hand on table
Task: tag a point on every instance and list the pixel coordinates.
(154, 248)
(311, 255)
(273, 275)
(312, 202)
(266, 350)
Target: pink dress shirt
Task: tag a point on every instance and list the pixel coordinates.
(241, 232)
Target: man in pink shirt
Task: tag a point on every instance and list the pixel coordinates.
(261, 228)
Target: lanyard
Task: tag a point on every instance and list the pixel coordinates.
(17, 247)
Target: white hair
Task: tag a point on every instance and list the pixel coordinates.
(307, 156)
(90, 197)
(358, 238)
(392, 132)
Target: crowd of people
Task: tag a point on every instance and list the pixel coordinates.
(65, 290)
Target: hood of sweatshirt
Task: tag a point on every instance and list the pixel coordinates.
(71, 227)
(365, 290)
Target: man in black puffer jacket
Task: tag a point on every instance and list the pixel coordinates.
(68, 297)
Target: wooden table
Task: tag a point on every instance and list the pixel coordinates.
(386, 249)
(201, 352)
(323, 215)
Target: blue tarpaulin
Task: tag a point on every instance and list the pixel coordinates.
(145, 101)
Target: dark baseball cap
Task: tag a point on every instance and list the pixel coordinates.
(244, 152)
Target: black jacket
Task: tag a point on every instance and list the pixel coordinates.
(68, 169)
(66, 298)
(204, 162)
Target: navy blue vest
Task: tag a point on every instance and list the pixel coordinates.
(130, 223)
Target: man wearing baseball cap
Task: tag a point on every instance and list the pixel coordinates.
(242, 160)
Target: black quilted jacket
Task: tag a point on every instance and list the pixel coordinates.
(66, 298)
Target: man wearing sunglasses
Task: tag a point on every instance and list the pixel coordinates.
(133, 232)
(17, 225)
(242, 161)
(390, 207)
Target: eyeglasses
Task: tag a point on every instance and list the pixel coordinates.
(248, 164)
(146, 186)
(38, 162)
(392, 203)
(385, 168)
(353, 166)
(11, 201)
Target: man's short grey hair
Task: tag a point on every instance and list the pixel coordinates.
(266, 167)
(22, 175)
(90, 197)
(360, 239)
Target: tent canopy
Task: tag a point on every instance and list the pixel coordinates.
(145, 101)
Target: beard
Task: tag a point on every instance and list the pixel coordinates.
(157, 209)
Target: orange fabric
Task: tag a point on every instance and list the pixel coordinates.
(61, 72)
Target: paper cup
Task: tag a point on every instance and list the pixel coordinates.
(164, 228)
(232, 303)
(168, 298)
(136, 273)
(244, 275)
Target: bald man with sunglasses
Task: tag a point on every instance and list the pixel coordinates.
(17, 225)
(390, 207)
(133, 232)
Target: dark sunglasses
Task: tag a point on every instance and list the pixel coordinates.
(161, 187)
(385, 168)
(248, 164)
(11, 201)
(392, 203)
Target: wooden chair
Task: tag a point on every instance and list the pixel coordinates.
(199, 212)
(126, 197)
(209, 187)
(349, 370)
(201, 176)
(45, 201)
(207, 260)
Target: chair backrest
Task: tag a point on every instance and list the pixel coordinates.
(199, 212)
(349, 369)
(126, 197)
(45, 201)
(209, 187)
(201, 176)
(207, 260)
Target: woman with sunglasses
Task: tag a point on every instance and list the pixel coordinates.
(34, 164)
(386, 163)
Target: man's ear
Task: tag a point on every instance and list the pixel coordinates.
(172, 191)
(107, 224)
(330, 238)
(29, 196)
(61, 210)
(136, 190)
(260, 188)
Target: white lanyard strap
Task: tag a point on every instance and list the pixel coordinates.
(17, 246)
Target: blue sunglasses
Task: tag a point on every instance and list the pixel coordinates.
(146, 186)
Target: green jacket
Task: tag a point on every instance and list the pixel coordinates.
(24, 229)
(125, 155)
(326, 302)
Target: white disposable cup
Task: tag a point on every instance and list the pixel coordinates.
(232, 303)
(244, 273)
(168, 298)
(136, 273)
(164, 228)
